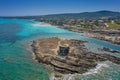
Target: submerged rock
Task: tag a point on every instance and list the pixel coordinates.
(8, 59)
(109, 50)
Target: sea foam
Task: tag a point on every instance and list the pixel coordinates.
(99, 67)
(40, 25)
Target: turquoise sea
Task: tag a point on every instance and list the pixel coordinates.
(16, 61)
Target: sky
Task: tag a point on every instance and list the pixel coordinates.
(44, 7)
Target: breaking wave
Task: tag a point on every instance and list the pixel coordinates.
(99, 67)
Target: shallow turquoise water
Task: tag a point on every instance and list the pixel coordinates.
(16, 59)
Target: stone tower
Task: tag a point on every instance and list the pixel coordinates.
(63, 50)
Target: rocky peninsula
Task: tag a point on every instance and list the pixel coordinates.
(112, 36)
(68, 55)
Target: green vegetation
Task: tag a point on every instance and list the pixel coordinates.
(117, 21)
(113, 26)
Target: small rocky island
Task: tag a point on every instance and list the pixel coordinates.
(68, 55)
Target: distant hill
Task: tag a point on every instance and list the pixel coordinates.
(84, 15)
(87, 15)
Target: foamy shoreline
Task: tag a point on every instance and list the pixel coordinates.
(95, 70)
(99, 67)
(42, 24)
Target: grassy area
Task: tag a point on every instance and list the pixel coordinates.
(113, 26)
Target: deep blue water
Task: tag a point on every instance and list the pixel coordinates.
(8, 31)
(16, 61)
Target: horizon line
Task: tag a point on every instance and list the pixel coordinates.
(56, 14)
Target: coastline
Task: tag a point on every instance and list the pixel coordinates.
(63, 75)
(91, 56)
(94, 34)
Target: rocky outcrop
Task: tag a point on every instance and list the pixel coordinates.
(78, 59)
(110, 36)
(109, 50)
